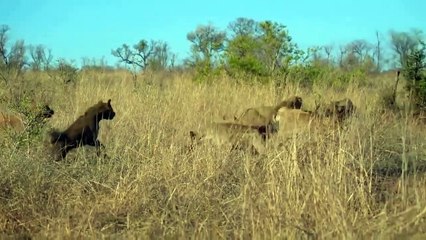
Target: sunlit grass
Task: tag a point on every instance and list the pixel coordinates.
(322, 184)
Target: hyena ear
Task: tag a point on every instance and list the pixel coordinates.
(193, 135)
(109, 101)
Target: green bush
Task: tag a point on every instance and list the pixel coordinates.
(414, 73)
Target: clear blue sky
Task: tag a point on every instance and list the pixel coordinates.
(91, 28)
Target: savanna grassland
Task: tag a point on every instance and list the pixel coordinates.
(356, 182)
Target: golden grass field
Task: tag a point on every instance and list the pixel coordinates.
(326, 184)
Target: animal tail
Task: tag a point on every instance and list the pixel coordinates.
(57, 136)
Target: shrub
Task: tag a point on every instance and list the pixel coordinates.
(414, 73)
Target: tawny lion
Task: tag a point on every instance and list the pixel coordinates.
(18, 123)
(340, 109)
(235, 135)
(264, 116)
(250, 130)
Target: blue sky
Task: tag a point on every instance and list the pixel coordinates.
(91, 28)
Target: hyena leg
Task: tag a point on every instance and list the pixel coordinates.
(98, 146)
(59, 151)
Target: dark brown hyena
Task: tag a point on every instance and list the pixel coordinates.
(84, 131)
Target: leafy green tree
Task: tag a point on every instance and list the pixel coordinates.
(243, 55)
(277, 47)
(258, 48)
(414, 73)
(207, 44)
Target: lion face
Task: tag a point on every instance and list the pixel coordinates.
(294, 102)
(340, 109)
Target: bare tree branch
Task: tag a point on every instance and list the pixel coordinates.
(403, 43)
(3, 41)
(138, 56)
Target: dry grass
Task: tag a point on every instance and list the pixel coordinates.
(319, 184)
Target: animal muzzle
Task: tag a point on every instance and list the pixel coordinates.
(48, 114)
(111, 115)
(277, 118)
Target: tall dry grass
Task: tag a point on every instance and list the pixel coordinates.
(343, 183)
